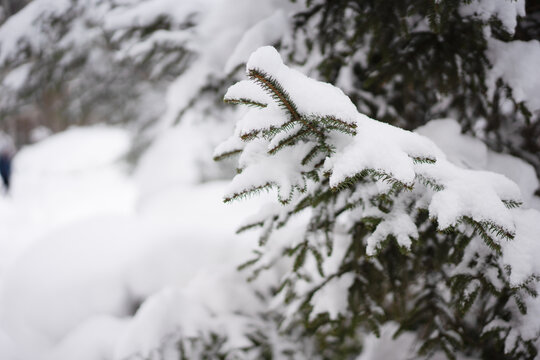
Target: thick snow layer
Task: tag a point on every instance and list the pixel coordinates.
(454, 189)
(382, 147)
(330, 100)
(175, 158)
(187, 312)
(60, 181)
(106, 266)
(476, 194)
(19, 31)
(77, 275)
(280, 170)
(67, 177)
(89, 148)
(235, 92)
(471, 153)
(46, 183)
(75, 272)
(516, 62)
(387, 151)
(7, 347)
(91, 340)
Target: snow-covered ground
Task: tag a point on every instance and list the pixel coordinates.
(100, 260)
(80, 250)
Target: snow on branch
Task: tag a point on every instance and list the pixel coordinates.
(317, 121)
(365, 189)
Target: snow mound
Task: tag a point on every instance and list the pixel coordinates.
(88, 148)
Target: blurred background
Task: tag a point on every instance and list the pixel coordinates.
(111, 217)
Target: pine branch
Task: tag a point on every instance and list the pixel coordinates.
(288, 141)
(276, 91)
(249, 227)
(227, 154)
(333, 123)
(247, 102)
(302, 249)
(272, 131)
(248, 192)
(351, 181)
(429, 182)
(250, 262)
(423, 160)
(498, 230)
(512, 204)
(311, 154)
(250, 135)
(483, 232)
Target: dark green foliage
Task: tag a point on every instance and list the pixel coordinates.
(442, 289)
(226, 155)
(408, 62)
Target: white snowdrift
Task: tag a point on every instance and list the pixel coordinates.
(75, 273)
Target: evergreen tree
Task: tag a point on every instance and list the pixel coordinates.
(133, 52)
(408, 62)
(60, 68)
(392, 231)
(375, 227)
(137, 62)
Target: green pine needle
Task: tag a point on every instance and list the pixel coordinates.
(247, 102)
(227, 155)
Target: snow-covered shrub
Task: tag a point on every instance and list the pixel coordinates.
(59, 68)
(147, 62)
(392, 231)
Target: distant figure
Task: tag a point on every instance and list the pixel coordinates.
(7, 151)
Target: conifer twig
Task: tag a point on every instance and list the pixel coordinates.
(281, 95)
